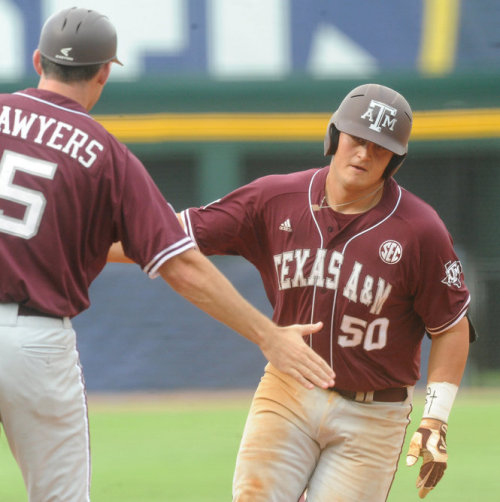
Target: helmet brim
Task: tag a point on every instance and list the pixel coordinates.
(353, 128)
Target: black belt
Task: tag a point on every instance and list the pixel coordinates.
(392, 395)
(23, 310)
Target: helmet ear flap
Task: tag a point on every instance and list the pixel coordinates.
(394, 165)
(331, 143)
(331, 140)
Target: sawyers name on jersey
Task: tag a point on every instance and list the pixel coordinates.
(62, 172)
(49, 132)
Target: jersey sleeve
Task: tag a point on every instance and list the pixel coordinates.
(147, 224)
(230, 225)
(441, 295)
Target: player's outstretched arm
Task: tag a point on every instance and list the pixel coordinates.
(447, 360)
(116, 253)
(194, 277)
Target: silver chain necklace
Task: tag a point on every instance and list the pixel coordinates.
(324, 205)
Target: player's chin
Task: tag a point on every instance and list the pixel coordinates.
(358, 175)
(359, 181)
(357, 169)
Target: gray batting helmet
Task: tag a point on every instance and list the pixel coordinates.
(78, 37)
(375, 113)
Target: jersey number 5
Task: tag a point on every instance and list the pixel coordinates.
(357, 331)
(33, 200)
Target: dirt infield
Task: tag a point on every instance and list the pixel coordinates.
(232, 398)
(185, 399)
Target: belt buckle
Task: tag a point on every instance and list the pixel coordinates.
(364, 397)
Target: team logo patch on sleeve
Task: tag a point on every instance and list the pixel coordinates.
(453, 274)
(390, 252)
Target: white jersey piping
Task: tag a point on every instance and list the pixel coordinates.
(321, 246)
(343, 253)
(186, 220)
(179, 247)
(444, 327)
(53, 105)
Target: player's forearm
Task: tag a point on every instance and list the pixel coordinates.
(448, 354)
(447, 361)
(194, 277)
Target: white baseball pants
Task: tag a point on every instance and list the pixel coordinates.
(43, 407)
(341, 450)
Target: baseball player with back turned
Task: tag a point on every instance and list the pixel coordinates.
(68, 190)
(347, 245)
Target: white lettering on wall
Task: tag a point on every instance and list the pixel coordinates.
(244, 39)
(12, 41)
(334, 54)
(248, 38)
(148, 25)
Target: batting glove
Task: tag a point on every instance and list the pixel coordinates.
(428, 442)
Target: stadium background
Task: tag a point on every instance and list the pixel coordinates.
(215, 93)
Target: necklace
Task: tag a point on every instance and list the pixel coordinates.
(323, 204)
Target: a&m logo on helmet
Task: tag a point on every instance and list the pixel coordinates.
(453, 271)
(380, 115)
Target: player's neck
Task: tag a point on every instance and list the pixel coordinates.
(81, 92)
(347, 201)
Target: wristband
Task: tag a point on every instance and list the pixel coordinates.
(439, 400)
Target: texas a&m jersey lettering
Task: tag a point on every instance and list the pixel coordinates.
(325, 273)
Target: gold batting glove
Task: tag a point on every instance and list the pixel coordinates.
(428, 442)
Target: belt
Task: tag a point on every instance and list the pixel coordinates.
(392, 395)
(23, 310)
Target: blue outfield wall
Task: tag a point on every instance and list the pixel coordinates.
(140, 335)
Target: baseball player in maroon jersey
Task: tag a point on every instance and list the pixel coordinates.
(68, 189)
(346, 244)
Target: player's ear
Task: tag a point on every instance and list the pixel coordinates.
(103, 74)
(37, 63)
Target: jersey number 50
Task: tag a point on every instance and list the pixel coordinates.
(33, 200)
(357, 331)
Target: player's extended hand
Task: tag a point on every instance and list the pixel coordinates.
(428, 442)
(288, 352)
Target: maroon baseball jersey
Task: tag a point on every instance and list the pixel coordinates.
(68, 189)
(377, 280)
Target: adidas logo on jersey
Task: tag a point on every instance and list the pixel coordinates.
(286, 226)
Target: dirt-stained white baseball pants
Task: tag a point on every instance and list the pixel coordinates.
(43, 407)
(341, 450)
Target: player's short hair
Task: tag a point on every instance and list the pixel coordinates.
(68, 74)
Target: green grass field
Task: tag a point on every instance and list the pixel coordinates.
(181, 448)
